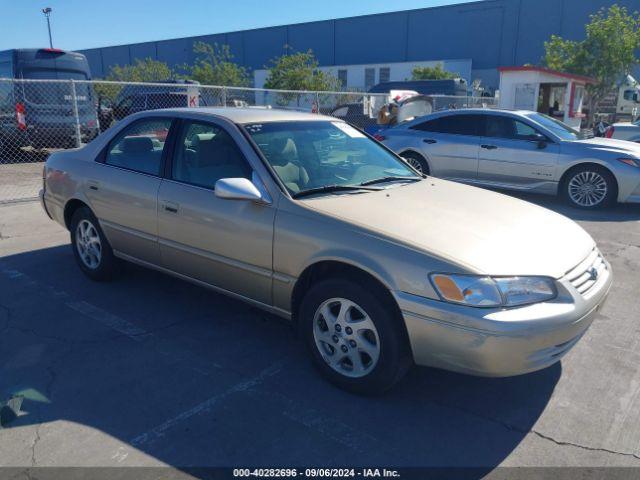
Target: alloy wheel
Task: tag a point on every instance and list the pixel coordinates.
(346, 337)
(415, 163)
(587, 189)
(88, 244)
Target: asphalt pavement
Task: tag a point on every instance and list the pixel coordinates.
(149, 371)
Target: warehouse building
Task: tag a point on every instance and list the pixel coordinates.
(473, 39)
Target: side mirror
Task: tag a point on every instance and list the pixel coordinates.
(540, 140)
(238, 189)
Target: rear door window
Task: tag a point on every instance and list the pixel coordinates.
(464, 124)
(139, 147)
(55, 93)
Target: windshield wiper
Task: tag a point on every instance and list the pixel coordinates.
(331, 188)
(390, 179)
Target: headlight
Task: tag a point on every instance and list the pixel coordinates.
(484, 291)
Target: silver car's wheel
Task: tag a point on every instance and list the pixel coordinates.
(88, 244)
(415, 164)
(587, 188)
(346, 337)
(417, 161)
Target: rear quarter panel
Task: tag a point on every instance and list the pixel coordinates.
(64, 177)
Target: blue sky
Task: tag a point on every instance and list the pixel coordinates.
(78, 24)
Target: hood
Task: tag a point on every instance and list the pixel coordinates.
(610, 145)
(480, 230)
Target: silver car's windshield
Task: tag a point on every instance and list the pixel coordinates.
(319, 154)
(561, 130)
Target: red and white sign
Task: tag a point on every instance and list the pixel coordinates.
(193, 98)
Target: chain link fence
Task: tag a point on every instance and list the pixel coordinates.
(38, 117)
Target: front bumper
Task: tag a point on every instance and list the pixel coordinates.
(501, 343)
(634, 197)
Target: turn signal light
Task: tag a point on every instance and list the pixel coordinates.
(630, 161)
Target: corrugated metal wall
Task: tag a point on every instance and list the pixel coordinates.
(491, 33)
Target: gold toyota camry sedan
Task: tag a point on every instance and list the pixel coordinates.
(304, 216)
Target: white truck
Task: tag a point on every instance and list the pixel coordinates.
(628, 104)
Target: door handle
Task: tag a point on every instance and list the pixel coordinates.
(488, 147)
(93, 185)
(170, 207)
(429, 141)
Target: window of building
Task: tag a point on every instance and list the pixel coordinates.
(342, 77)
(369, 77)
(385, 74)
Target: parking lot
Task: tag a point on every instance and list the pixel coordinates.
(20, 181)
(150, 371)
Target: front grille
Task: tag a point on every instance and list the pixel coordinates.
(584, 276)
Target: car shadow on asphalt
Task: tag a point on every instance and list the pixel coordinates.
(192, 378)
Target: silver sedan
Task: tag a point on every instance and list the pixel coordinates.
(520, 150)
(625, 131)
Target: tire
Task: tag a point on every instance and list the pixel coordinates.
(417, 161)
(589, 187)
(91, 248)
(383, 352)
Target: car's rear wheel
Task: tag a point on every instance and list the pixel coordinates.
(417, 161)
(354, 337)
(90, 247)
(589, 187)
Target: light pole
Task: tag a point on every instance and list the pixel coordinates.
(47, 13)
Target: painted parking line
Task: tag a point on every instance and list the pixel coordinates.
(110, 320)
(107, 319)
(160, 430)
(316, 421)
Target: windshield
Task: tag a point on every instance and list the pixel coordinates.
(315, 154)
(561, 130)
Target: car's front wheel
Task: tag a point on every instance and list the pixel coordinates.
(354, 336)
(90, 247)
(589, 187)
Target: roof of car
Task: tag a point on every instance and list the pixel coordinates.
(252, 114)
(482, 110)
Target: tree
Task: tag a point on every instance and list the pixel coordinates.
(147, 70)
(606, 54)
(299, 71)
(432, 73)
(215, 66)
